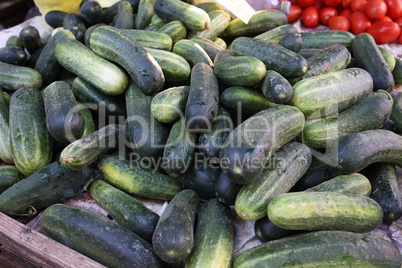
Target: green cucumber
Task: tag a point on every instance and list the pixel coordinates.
(323, 39)
(125, 209)
(5, 139)
(213, 243)
(31, 39)
(152, 28)
(226, 190)
(31, 143)
(325, 211)
(309, 52)
(91, 12)
(192, 52)
(274, 56)
(33, 58)
(76, 25)
(134, 180)
(276, 88)
(156, 21)
(89, 124)
(13, 55)
(49, 185)
(168, 105)
(369, 58)
(144, 14)
(179, 150)
(219, 21)
(323, 249)
(209, 46)
(98, 237)
(281, 172)
(173, 238)
(397, 72)
(9, 175)
(142, 68)
(203, 98)
(233, 70)
(83, 152)
(88, 32)
(14, 77)
(370, 113)
(248, 151)
(388, 57)
(192, 17)
(83, 62)
(175, 29)
(292, 41)
(47, 64)
(150, 39)
(208, 6)
(14, 41)
(329, 94)
(277, 33)
(244, 100)
(396, 114)
(260, 22)
(174, 67)
(124, 17)
(330, 59)
(353, 183)
(220, 42)
(266, 231)
(55, 18)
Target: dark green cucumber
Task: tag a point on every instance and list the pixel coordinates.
(370, 113)
(192, 17)
(192, 52)
(292, 41)
(14, 41)
(83, 152)
(47, 64)
(213, 243)
(386, 191)
(55, 18)
(5, 139)
(88, 33)
(397, 72)
(13, 55)
(331, 59)
(179, 151)
(244, 71)
(388, 57)
(323, 39)
(209, 46)
(98, 237)
(220, 42)
(109, 13)
(152, 28)
(175, 68)
(219, 21)
(9, 175)
(369, 58)
(248, 151)
(203, 99)
(325, 211)
(49, 185)
(134, 180)
(31, 144)
(212, 141)
(329, 94)
(276, 88)
(396, 114)
(142, 68)
(31, 39)
(83, 62)
(14, 77)
(31, 62)
(91, 12)
(125, 209)
(277, 33)
(124, 17)
(266, 231)
(244, 100)
(261, 21)
(96, 99)
(175, 29)
(63, 118)
(173, 238)
(146, 135)
(168, 105)
(156, 21)
(208, 6)
(226, 190)
(281, 172)
(274, 56)
(150, 39)
(89, 124)
(144, 14)
(325, 248)
(76, 25)
(309, 52)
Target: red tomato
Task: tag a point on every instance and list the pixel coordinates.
(394, 8)
(318, 5)
(385, 18)
(293, 2)
(310, 17)
(359, 22)
(326, 14)
(358, 5)
(294, 13)
(376, 9)
(399, 22)
(305, 3)
(331, 3)
(384, 31)
(339, 23)
(346, 3)
(346, 13)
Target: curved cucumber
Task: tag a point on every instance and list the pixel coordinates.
(168, 106)
(276, 88)
(192, 52)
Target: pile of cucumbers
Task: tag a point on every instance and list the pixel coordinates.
(299, 132)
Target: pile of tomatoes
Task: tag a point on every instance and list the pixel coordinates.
(380, 18)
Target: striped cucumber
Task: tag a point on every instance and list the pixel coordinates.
(150, 39)
(323, 39)
(192, 52)
(276, 88)
(277, 33)
(5, 141)
(175, 29)
(9, 175)
(209, 46)
(219, 20)
(168, 106)
(124, 17)
(144, 13)
(13, 77)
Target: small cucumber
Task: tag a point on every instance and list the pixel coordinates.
(9, 175)
(150, 39)
(219, 21)
(388, 57)
(292, 41)
(175, 29)
(91, 12)
(76, 25)
(144, 14)
(14, 41)
(13, 55)
(124, 17)
(173, 238)
(14, 77)
(209, 46)
(5, 139)
(55, 18)
(89, 124)
(192, 52)
(220, 42)
(323, 39)
(276, 88)
(31, 39)
(266, 231)
(397, 72)
(396, 114)
(277, 33)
